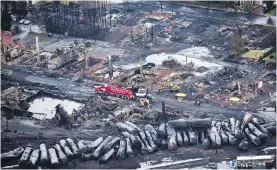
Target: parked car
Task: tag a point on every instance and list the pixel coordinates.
(22, 21)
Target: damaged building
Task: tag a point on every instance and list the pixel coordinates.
(138, 85)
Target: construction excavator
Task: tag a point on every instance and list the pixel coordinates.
(168, 86)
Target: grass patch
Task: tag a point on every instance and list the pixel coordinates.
(253, 54)
(272, 12)
(271, 57)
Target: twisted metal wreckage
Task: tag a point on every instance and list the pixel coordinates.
(134, 140)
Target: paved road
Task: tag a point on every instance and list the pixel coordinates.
(205, 12)
(189, 108)
(66, 85)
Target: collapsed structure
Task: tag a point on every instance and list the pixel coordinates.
(208, 69)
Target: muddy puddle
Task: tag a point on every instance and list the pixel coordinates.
(44, 107)
(200, 56)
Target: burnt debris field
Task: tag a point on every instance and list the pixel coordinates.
(141, 85)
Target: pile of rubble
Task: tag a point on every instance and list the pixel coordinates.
(201, 69)
(171, 63)
(177, 38)
(269, 77)
(231, 73)
(16, 96)
(221, 90)
(96, 106)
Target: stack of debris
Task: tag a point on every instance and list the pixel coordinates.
(163, 34)
(96, 106)
(186, 75)
(231, 73)
(170, 111)
(269, 77)
(177, 38)
(201, 69)
(221, 90)
(172, 63)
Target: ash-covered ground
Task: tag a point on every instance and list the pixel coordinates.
(201, 51)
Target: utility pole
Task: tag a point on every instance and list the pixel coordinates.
(85, 66)
(110, 67)
(86, 57)
(146, 33)
(152, 32)
(186, 59)
(163, 110)
(161, 6)
(131, 32)
(140, 63)
(37, 48)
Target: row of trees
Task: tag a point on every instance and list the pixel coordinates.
(16, 8)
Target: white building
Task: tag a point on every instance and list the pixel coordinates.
(255, 3)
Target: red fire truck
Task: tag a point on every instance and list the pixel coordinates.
(114, 91)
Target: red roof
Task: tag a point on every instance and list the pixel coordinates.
(7, 39)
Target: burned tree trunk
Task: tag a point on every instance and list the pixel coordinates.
(63, 115)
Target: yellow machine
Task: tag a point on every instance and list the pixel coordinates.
(180, 96)
(144, 102)
(168, 86)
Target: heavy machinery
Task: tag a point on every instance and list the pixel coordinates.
(180, 96)
(168, 86)
(114, 91)
(144, 102)
(129, 93)
(142, 93)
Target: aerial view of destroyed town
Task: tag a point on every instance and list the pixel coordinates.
(138, 84)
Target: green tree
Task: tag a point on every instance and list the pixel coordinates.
(6, 19)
